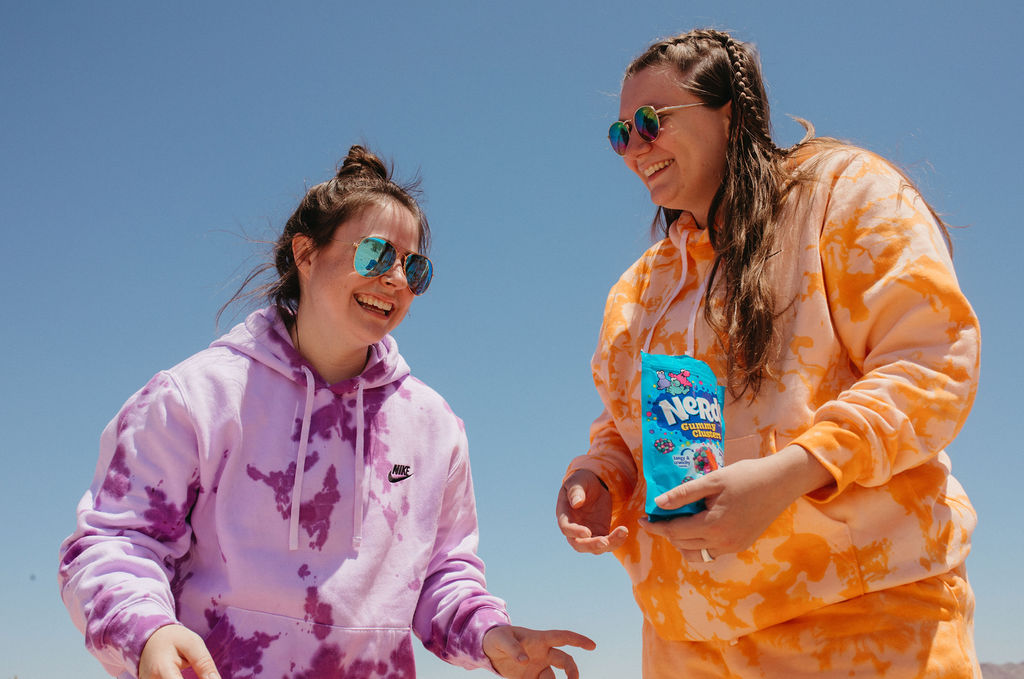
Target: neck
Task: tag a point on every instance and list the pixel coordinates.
(333, 365)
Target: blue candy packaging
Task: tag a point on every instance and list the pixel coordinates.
(683, 429)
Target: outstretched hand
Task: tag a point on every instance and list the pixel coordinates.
(584, 511)
(524, 653)
(172, 648)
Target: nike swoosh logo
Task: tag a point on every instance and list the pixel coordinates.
(395, 478)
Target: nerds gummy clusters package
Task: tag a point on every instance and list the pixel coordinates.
(683, 428)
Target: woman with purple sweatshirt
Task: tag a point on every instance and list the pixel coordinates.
(291, 502)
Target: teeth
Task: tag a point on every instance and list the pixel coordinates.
(377, 304)
(648, 171)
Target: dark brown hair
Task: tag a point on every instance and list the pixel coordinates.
(718, 70)
(362, 180)
(742, 224)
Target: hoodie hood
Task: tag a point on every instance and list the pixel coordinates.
(264, 338)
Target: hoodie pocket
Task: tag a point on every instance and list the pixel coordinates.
(248, 644)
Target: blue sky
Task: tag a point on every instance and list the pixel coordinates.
(146, 146)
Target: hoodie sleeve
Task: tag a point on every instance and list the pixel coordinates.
(898, 310)
(455, 609)
(609, 456)
(610, 459)
(116, 568)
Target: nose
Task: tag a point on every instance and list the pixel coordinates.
(635, 145)
(395, 275)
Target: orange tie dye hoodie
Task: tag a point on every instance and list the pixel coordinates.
(877, 371)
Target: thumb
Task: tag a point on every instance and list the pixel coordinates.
(577, 496)
(199, 659)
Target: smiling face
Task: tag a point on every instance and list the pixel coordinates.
(685, 165)
(341, 313)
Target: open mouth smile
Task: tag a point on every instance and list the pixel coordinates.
(651, 169)
(374, 305)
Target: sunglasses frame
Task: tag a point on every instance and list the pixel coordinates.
(625, 125)
(404, 259)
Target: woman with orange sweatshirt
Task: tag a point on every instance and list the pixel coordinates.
(818, 286)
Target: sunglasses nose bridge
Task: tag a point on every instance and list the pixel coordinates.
(635, 144)
(396, 270)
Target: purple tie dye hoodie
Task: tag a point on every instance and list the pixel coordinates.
(303, 529)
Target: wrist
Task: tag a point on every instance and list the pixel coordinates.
(800, 472)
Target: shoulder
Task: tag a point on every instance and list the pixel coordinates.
(213, 363)
(426, 406)
(837, 166)
(217, 379)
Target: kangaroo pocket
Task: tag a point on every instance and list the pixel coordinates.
(249, 644)
(803, 561)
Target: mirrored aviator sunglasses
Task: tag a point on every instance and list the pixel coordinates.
(646, 121)
(375, 256)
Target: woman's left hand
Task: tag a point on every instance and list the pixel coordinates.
(742, 500)
(525, 653)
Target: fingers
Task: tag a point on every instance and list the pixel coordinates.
(693, 549)
(678, 531)
(564, 637)
(171, 648)
(204, 667)
(556, 657)
(569, 528)
(581, 486)
(195, 653)
(684, 493)
(600, 544)
(562, 660)
(576, 495)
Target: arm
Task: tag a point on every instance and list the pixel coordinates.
(458, 619)
(907, 327)
(455, 609)
(116, 568)
(597, 485)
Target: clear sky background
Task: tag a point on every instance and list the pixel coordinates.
(142, 143)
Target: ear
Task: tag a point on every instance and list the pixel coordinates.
(727, 117)
(303, 253)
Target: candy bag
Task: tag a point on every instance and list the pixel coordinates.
(683, 427)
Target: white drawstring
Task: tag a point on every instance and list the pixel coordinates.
(692, 326)
(300, 464)
(358, 468)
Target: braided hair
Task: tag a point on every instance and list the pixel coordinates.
(362, 180)
(741, 220)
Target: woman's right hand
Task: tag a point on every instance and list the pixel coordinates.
(584, 511)
(173, 648)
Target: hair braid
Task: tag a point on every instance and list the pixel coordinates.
(719, 69)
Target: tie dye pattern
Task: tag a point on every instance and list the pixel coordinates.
(877, 369)
(190, 515)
